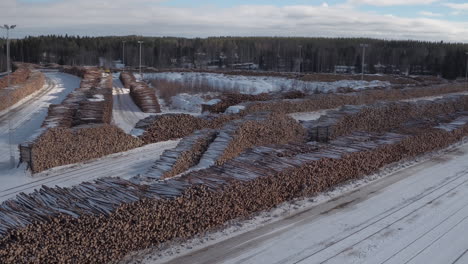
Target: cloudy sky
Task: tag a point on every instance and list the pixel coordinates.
(434, 20)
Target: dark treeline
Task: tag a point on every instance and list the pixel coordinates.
(271, 54)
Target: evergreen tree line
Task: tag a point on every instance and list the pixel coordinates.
(269, 53)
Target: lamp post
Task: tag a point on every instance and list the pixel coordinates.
(363, 46)
(123, 53)
(10, 129)
(466, 73)
(300, 57)
(140, 42)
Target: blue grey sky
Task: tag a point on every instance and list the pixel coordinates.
(433, 20)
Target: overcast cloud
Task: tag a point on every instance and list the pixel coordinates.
(350, 18)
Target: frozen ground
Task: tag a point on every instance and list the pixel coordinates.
(125, 112)
(261, 84)
(416, 212)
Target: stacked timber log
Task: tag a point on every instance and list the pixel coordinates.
(231, 99)
(19, 76)
(259, 129)
(90, 103)
(141, 93)
(61, 146)
(186, 155)
(381, 117)
(77, 129)
(24, 82)
(329, 101)
(102, 221)
(172, 126)
(73, 70)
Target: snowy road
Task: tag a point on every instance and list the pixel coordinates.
(416, 215)
(125, 112)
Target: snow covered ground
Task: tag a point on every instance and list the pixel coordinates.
(125, 112)
(261, 84)
(416, 212)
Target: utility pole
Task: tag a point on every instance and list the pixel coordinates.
(300, 58)
(466, 73)
(140, 42)
(10, 129)
(123, 54)
(363, 46)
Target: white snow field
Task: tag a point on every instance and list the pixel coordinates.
(261, 84)
(415, 214)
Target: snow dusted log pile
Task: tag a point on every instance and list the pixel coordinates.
(19, 76)
(186, 155)
(61, 146)
(254, 130)
(24, 82)
(90, 103)
(172, 126)
(77, 129)
(329, 101)
(141, 93)
(207, 148)
(231, 99)
(102, 221)
(382, 116)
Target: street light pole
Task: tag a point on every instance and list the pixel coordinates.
(10, 129)
(466, 73)
(140, 42)
(300, 57)
(123, 53)
(363, 46)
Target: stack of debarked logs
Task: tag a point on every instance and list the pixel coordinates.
(60, 146)
(150, 222)
(23, 82)
(141, 93)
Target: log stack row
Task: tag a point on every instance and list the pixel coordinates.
(90, 103)
(329, 101)
(186, 155)
(61, 146)
(25, 82)
(141, 93)
(172, 126)
(102, 221)
(19, 76)
(382, 116)
(78, 129)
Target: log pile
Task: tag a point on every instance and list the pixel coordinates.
(329, 101)
(102, 221)
(34, 81)
(231, 99)
(141, 93)
(186, 155)
(173, 126)
(90, 103)
(61, 146)
(253, 130)
(381, 117)
(19, 76)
